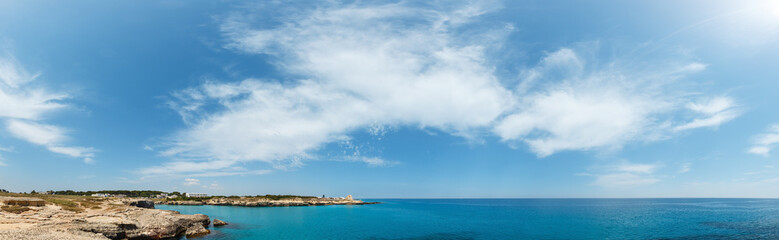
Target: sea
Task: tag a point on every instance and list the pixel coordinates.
(461, 219)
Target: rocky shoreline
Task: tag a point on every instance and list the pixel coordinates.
(38, 217)
(265, 202)
(97, 218)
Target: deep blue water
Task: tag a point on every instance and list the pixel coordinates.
(503, 219)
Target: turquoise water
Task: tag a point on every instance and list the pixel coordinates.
(503, 219)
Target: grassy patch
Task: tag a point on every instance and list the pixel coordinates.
(15, 209)
(89, 204)
(66, 204)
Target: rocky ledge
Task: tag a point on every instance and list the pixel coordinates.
(265, 202)
(106, 219)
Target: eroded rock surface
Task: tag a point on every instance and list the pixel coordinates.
(218, 223)
(143, 204)
(111, 220)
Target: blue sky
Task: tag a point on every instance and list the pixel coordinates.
(392, 99)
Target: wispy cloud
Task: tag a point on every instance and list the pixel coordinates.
(191, 182)
(714, 112)
(626, 174)
(359, 66)
(21, 101)
(568, 105)
(762, 144)
(363, 67)
(24, 107)
(4, 149)
(686, 167)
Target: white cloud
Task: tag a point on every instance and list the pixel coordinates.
(624, 180)
(40, 134)
(19, 100)
(686, 167)
(364, 69)
(213, 186)
(4, 149)
(567, 106)
(580, 117)
(191, 182)
(24, 106)
(361, 66)
(762, 144)
(626, 174)
(52, 137)
(714, 112)
(637, 168)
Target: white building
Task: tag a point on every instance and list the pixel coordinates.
(197, 195)
(101, 195)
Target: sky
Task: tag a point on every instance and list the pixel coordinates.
(388, 99)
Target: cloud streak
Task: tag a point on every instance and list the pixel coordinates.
(568, 105)
(24, 107)
(762, 144)
(626, 174)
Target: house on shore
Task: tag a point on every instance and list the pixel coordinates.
(194, 195)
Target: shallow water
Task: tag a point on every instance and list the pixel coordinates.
(462, 219)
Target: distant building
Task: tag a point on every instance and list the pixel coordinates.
(197, 195)
(101, 195)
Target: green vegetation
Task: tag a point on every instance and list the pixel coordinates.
(15, 209)
(128, 193)
(90, 202)
(72, 203)
(280, 197)
(66, 204)
(267, 196)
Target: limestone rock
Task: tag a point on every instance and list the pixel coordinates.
(197, 231)
(218, 222)
(143, 204)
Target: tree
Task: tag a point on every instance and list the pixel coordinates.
(33, 192)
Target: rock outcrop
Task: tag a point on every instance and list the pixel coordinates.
(218, 223)
(143, 204)
(195, 203)
(112, 219)
(265, 202)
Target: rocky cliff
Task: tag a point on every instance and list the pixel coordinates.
(265, 202)
(106, 219)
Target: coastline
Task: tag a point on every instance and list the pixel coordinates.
(38, 217)
(266, 202)
(47, 216)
